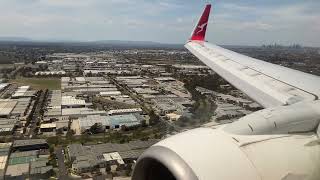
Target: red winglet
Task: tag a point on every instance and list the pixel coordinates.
(199, 32)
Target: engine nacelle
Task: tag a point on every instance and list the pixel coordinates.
(213, 154)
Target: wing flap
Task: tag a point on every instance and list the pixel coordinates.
(267, 89)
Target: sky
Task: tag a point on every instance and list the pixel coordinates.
(232, 22)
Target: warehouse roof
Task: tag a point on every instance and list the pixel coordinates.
(6, 107)
(96, 89)
(165, 79)
(65, 79)
(3, 162)
(28, 142)
(48, 125)
(80, 79)
(120, 111)
(127, 119)
(81, 111)
(24, 154)
(21, 91)
(110, 93)
(87, 122)
(39, 166)
(114, 156)
(4, 151)
(3, 85)
(70, 100)
(132, 154)
(17, 170)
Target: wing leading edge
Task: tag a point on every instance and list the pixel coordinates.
(268, 84)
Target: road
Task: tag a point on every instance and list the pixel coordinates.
(144, 106)
(38, 113)
(63, 171)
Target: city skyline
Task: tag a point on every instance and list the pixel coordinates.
(232, 22)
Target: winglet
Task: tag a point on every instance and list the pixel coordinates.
(199, 32)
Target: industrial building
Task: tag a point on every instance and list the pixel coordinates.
(229, 111)
(21, 107)
(4, 153)
(7, 126)
(72, 102)
(124, 111)
(3, 86)
(31, 164)
(110, 93)
(29, 159)
(165, 106)
(90, 158)
(48, 73)
(188, 69)
(122, 99)
(88, 85)
(23, 92)
(29, 145)
(48, 127)
(83, 124)
(81, 112)
(54, 105)
(6, 107)
(40, 170)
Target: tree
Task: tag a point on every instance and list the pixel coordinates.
(84, 138)
(96, 128)
(70, 134)
(154, 118)
(59, 131)
(53, 140)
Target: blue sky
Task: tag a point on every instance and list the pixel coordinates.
(236, 22)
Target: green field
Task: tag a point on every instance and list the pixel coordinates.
(39, 83)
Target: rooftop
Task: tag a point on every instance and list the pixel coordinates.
(120, 111)
(3, 85)
(114, 156)
(21, 91)
(6, 107)
(48, 125)
(128, 120)
(28, 142)
(70, 100)
(81, 112)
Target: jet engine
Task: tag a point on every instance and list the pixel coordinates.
(243, 153)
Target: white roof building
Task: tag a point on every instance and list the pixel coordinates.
(114, 156)
(21, 91)
(125, 111)
(3, 85)
(72, 101)
(48, 126)
(80, 79)
(110, 93)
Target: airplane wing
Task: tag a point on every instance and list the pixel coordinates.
(278, 142)
(268, 84)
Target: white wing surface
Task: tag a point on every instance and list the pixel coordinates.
(268, 84)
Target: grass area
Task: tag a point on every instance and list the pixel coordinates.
(6, 66)
(39, 83)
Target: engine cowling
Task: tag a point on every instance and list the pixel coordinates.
(209, 154)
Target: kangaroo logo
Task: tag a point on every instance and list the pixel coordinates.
(201, 27)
